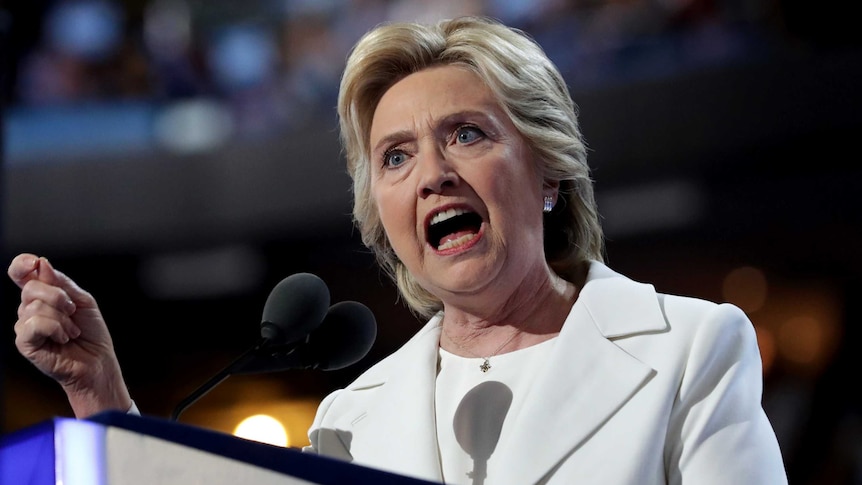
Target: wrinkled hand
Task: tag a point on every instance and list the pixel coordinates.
(61, 331)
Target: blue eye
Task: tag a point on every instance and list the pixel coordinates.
(468, 134)
(394, 158)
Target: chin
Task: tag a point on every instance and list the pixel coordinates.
(466, 277)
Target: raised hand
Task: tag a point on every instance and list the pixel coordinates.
(61, 331)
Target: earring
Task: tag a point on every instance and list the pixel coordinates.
(549, 204)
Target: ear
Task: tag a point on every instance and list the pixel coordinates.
(552, 188)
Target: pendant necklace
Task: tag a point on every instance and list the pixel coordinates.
(485, 366)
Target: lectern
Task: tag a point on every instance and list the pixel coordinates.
(119, 449)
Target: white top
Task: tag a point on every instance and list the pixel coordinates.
(475, 410)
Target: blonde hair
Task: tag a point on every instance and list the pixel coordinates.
(530, 90)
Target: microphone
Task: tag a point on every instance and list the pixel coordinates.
(300, 331)
(295, 307)
(343, 338)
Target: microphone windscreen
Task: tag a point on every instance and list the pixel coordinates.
(345, 336)
(295, 307)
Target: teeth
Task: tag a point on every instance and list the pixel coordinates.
(445, 215)
(451, 243)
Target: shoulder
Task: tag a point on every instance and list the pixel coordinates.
(715, 338)
(660, 327)
(623, 308)
(705, 319)
(620, 294)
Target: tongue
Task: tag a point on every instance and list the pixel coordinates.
(455, 235)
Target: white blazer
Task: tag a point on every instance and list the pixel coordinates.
(640, 388)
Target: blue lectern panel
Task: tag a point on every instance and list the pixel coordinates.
(27, 457)
(30, 456)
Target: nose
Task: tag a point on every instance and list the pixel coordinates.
(436, 174)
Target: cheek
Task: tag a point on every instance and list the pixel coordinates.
(383, 203)
(395, 211)
(517, 193)
(514, 183)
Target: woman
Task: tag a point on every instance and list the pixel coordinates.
(538, 364)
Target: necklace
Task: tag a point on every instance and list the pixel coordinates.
(485, 366)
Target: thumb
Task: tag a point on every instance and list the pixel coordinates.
(46, 273)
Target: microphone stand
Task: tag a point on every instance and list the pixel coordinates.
(275, 351)
(217, 379)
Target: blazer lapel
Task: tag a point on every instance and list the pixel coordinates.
(400, 426)
(587, 378)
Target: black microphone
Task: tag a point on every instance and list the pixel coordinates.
(295, 307)
(343, 338)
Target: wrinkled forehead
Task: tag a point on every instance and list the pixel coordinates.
(427, 95)
(376, 92)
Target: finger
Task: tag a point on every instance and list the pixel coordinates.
(54, 296)
(51, 276)
(31, 334)
(23, 269)
(42, 310)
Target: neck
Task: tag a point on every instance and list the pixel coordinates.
(533, 313)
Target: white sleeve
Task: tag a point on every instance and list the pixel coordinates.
(133, 410)
(719, 431)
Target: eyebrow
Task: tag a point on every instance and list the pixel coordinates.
(451, 118)
(392, 139)
(462, 115)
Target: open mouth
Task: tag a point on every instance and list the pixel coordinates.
(452, 228)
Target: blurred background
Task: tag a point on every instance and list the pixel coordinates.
(178, 158)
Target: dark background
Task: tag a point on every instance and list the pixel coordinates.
(722, 135)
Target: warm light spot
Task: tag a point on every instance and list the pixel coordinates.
(745, 287)
(766, 343)
(801, 340)
(263, 428)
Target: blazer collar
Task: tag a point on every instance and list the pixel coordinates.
(586, 379)
(620, 307)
